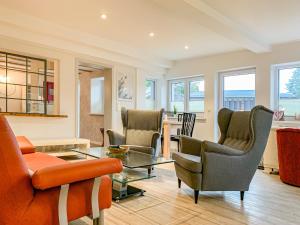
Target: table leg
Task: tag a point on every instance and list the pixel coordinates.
(149, 170)
(166, 147)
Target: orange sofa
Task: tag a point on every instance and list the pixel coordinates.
(39, 189)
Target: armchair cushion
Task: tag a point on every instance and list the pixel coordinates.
(143, 149)
(189, 162)
(208, 146)
(139, 137)
(54, 176)
(25, 145)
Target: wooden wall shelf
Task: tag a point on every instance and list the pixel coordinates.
(32, 115)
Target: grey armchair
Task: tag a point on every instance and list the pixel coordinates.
(230, 164)
(141, 130)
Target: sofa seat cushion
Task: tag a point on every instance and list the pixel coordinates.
(142, 149)
(40, 160)
(187, 161)
(139, 137)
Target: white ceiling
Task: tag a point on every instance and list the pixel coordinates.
(206, 26)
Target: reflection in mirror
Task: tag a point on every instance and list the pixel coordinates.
(2, 105)
(16, 105)
(27, 84)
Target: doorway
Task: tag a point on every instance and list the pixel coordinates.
(94, 102)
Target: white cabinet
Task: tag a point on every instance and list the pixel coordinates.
(270, 157)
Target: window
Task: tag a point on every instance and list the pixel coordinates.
(26, 84)
(150, 94)
(97, 95)
(287, 89)
(238, 89)
(186, 95)
(196, 96)
(177, 96)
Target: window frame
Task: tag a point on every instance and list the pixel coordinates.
(186, 82)
(230, 73)
(275, 92)
(45, 73)
(155, 91)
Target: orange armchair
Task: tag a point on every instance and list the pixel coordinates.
(38, 189)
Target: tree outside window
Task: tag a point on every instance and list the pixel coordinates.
(289, 91)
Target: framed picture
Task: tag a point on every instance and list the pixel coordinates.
(125, 87)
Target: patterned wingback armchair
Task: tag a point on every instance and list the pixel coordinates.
(141, 130)
(230, 164)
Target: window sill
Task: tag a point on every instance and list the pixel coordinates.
(96, 114)
(32, 115)
(291, 123)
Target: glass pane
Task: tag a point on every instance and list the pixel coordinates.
(36, 66)
(2, 105)
(289, 91)
(150, 94)
(50, 79)
(2, 75)
(16, 63)
(196, 96)
(16, 91)
(2, 90)
(50, 108)
(97, 95)
(35, 107)
(35, 93)
(16, 105)
(132, 159)
(130, 175)
(239, 92)
(2, 60)
(50, 68)
(35, 79)
(16, 77)
(50, 92)
(150, 89)
(177, 96)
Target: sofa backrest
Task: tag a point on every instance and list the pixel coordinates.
(16, 191)
(139, 125)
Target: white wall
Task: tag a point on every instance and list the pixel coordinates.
(47, 128)
(211, 65)
(142, 76)
(39, 128)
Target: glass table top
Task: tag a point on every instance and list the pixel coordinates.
(131, 175)
(132, 159)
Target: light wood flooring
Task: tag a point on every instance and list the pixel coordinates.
(269, 201)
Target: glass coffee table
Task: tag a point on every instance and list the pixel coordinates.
(138, 166)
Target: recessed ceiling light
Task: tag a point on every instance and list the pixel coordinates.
(186, 47)
(151, 34)
(103, 16)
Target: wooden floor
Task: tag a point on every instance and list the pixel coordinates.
(268, 201)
